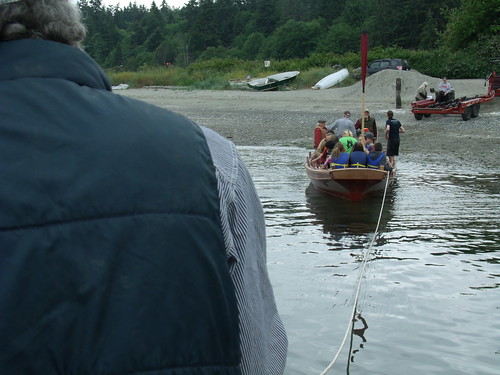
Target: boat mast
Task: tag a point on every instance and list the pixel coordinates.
(364, 62)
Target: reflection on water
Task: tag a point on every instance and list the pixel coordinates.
(339, 216)
(360, 332)
(431, 290)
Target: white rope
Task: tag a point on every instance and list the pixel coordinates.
(360, 277)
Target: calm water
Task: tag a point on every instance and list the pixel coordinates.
(430, 295)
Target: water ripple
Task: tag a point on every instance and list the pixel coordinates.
(431, 288)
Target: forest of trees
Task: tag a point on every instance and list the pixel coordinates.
(134, 36)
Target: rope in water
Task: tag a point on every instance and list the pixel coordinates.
(360, 277)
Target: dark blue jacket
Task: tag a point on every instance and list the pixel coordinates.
(374, 159)
(357, 159)
(112, 258)
(341, 162)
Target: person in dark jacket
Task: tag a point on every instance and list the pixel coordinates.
(369, 123)
(376, 159)
(357, 157)
(117, 254)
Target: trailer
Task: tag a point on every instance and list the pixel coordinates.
(466, 107)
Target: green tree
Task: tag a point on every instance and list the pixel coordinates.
(473, 19)
(102, 33)
(150, 30)
(295, 39)
(266, 16)
(340, 38)
(297, 10)
(252, 46)
(429, 33)
(406, 23)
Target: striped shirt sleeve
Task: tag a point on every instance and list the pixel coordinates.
(263, 337)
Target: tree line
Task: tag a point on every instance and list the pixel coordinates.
(133, 36)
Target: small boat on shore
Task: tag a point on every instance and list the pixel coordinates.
(331, 80)
(353, 184)
(273, 81)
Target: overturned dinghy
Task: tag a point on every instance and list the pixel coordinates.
(274, 81)
(331, 80)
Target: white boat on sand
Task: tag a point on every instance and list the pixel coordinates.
(331, 79)
(274, 81)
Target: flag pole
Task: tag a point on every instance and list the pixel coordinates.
(364, 63)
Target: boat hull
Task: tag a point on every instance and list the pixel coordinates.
(354, 184)
(331, 80)
(274, 81)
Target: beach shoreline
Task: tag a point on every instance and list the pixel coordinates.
(285, 118)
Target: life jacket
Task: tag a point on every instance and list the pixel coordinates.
(357, 159)
(341, 162)
(374, 163)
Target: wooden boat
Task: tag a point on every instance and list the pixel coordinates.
(273, 81)
(354, 184)
(331, 80)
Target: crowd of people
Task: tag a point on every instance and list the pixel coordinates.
(346, 144)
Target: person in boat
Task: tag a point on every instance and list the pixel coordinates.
(347, 140)
(344, 123)
(392, 129)
(422, 92)
(116, 256)
(321, 147)
(357, 157)
(339, 158)
(327, 150)
(444, 91)
(319, 133)
(376, 159)
(370, 124)
(368, 141)
(322, 152)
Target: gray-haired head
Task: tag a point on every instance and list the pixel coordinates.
(56, 20)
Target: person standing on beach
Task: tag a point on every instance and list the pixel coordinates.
(392, 129)
(344, 123)
(119, 255)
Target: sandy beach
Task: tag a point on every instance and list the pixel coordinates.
(288, 117)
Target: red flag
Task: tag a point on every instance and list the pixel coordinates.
(364, 56)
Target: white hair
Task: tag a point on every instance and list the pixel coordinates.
(56, 20)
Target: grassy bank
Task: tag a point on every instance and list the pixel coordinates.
(217, 73)
(213, 81)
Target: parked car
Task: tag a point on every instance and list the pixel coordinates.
(378, 65)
